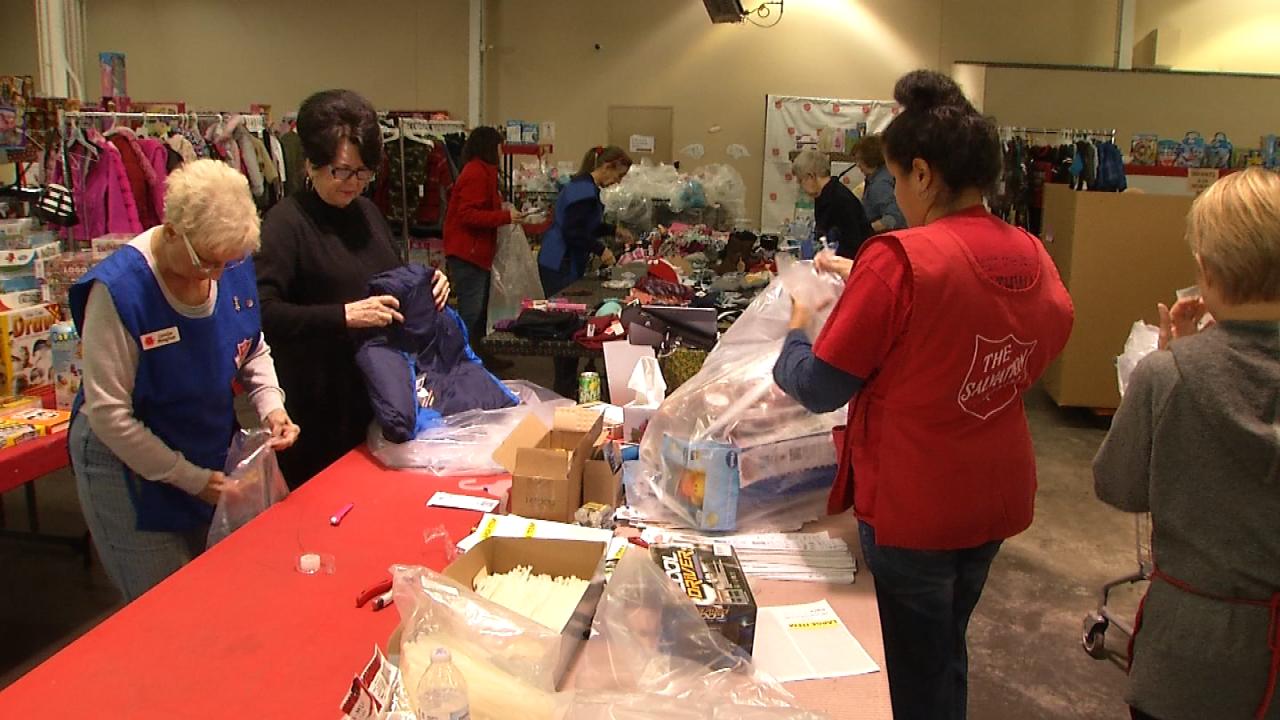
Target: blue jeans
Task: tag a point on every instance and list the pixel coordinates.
(925, 599)
(471, 282)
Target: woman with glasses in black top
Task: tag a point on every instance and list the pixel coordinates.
(319, 250)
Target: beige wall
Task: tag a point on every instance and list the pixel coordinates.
(401, 54)
(1065, 32)
(1164, 103)
(1218, 35)
(666, 52)
(18, 54)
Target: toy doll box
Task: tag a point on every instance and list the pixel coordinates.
(26, 349)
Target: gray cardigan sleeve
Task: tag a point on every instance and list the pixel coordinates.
(1122, 467)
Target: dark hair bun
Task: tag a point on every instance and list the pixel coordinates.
(924, 90)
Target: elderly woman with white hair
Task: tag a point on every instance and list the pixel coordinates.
(837, 214)
(169, 322)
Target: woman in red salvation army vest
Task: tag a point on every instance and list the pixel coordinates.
(941, 329)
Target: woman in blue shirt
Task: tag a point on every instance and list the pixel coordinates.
(578, 225)
(878, 199)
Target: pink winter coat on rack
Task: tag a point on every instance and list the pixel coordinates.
(157, 155)
(104, 203)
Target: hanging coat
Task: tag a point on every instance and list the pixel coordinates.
(422, 370)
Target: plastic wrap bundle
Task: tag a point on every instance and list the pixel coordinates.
(723, 185)
(463, 443)
(650, 654)
(514, 277)
(728, 450)
(508, 661)
(1143, 340)
(255, 484)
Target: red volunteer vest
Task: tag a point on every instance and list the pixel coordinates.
(938, 437)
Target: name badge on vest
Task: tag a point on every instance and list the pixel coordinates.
(160, 338)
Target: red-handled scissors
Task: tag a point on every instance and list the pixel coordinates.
(372, 592)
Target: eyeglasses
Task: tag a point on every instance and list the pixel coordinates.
(343, 174)
(207, 268)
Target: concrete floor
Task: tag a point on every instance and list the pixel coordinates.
(1025, 654)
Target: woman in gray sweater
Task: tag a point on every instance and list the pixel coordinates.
(1196, 442)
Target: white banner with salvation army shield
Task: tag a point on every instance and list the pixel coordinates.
(831, 125)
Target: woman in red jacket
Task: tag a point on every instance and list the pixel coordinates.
(471, 227)
(941, 329)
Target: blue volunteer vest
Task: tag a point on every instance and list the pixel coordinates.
(183, 387)
(554, 248)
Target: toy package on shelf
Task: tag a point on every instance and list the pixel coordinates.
(1191, 151)
(68, 363)
(26, 349)
(728, 450)
(24, 269)
(1142, 149)
(64, 270)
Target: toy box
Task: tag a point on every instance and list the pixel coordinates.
(712, 577)
(1191, 151)
(1142, 149)
(26, 349)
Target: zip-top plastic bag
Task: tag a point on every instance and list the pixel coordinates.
(254, 483)
(729, 450)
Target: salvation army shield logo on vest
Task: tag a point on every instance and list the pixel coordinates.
(998, 369)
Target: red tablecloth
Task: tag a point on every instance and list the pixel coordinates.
(239, 633)
(23, 463)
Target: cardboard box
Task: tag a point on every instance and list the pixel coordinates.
(546, 468)
(45, 422)
(712, 577)
(26, 351)
(1118, 254)
(576, 558)
(602, 476)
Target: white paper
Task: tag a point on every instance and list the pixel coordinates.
(548, 132)
(807, 642)
(462, 502)
(620, 360)
(643, 143)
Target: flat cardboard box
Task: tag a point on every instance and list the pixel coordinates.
(577, 558)
(546, 468)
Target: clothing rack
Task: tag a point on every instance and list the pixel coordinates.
(1108, 134)
(418, 126)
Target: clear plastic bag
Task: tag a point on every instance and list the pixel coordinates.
(728, 450)
(254, 481)
(724, 186)
(652, 655)
(514, 277)
(1142, 341)
(463, 443)
(508, 661)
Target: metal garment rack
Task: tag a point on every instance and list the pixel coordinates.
(253, 122)
(1109, 134)
(416, 125)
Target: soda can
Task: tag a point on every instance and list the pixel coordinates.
(588, 388)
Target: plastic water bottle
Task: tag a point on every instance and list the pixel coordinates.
(442, 693)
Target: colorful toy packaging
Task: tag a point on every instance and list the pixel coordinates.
(1191, 151)
(1142, 149)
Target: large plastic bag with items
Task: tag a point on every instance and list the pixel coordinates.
(724, 186)
(508, 661)
(514, 277)
(463, 443)
(652, 655)
(1143, 340)
(729, 450)
(254, 483)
